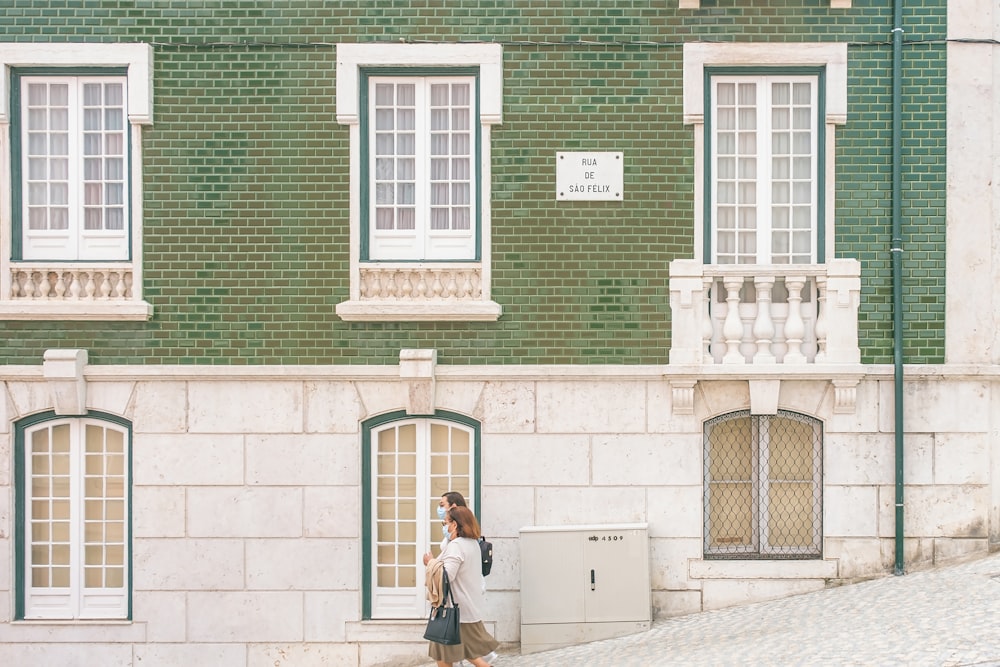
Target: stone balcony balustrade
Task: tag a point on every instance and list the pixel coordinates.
(71, 283)
(419, 291)
(72, 291)
(765, 314)
(418, 282)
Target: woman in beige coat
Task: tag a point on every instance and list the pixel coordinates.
(461, 559)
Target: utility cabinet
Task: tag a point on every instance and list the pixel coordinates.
(583, 583)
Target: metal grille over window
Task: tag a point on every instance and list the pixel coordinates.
(763, 486)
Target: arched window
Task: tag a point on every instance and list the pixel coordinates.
(408, 463)
(73, 523)
(763, 486)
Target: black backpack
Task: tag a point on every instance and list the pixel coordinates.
(487, 551)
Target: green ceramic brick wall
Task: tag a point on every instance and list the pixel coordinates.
(246, 198)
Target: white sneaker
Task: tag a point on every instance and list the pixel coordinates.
(490, 657)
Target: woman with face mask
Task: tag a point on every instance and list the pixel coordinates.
(448, 500)
(461, 560)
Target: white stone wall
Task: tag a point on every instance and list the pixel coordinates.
(247, 493)
(972, 331)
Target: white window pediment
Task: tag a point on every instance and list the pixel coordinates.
(699, 55)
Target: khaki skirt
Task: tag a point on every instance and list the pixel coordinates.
(476, 643)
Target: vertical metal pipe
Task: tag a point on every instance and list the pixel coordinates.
(897, 268)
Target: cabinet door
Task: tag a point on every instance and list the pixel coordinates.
(552, 578)
(616, 566)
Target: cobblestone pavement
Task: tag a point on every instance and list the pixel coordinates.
(948, 616)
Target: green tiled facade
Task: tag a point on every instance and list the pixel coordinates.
(246, 182)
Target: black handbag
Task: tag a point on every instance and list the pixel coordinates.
(443, 622)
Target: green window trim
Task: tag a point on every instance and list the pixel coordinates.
(16, 171)
(820, 73)
(367, 467)
(20, 511)
(365, 74)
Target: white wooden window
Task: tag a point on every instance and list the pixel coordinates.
(421, 148)
(420, 118)
(75, 504)
(414, 462)
(763, 486)
(71, 202)
(764, 169)
(74, 168)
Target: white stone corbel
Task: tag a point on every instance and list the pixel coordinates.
(63, 369)
(682, 396)
(416, 369)
(845, 395)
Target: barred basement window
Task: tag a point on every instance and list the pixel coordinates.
(763, 486)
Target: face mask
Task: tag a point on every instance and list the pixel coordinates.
(441, 512)
(444, 531)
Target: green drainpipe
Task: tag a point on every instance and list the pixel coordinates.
(897, 268)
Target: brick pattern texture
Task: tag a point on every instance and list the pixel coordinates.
(246, 183)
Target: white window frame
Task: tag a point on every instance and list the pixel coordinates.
(754, 145)
(423, 290)
(77, 290)
(701, 55)
(422, 242)
(76, 601)
(434, 476)
(74, 242)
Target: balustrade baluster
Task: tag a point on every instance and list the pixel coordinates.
(44, 285)
(105, 285)
(74, 285)
(763, 324)
(120, 287)
(90, 286)
(794, 325)
(29, 284)
(423, 286)
(732, 328)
